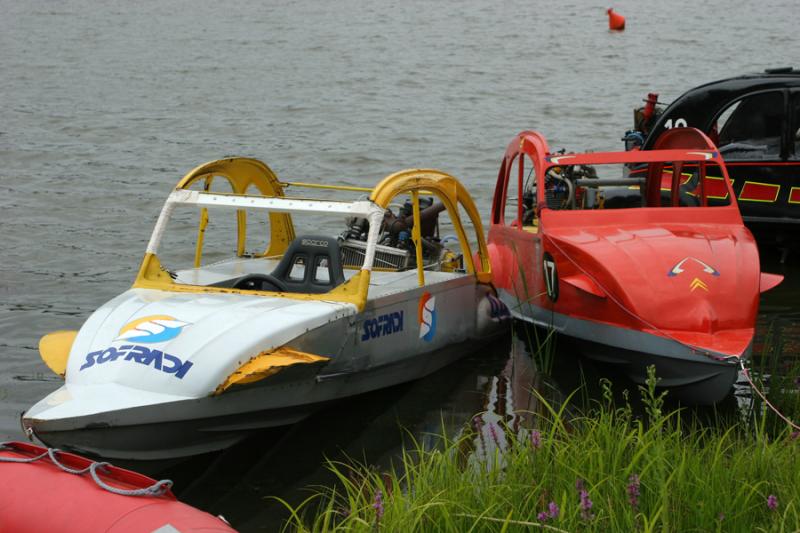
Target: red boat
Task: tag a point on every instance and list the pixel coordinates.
(50, 490)
(656, 276)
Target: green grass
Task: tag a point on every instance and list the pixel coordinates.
(490, 478)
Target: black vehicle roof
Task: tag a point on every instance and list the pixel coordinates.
(772, 77)
(701, 105)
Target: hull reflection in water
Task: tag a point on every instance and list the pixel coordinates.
(372, 429)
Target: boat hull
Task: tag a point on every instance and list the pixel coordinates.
(195, 426)
(687, 375)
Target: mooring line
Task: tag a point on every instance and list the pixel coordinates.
(763, 397)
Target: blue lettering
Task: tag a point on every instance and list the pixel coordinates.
(183, 369)
(89, 360)
(179, 368)
(107, 354)
(141, 354)
(382, 325)
(176, 364)
(122, 350)
(154, 358)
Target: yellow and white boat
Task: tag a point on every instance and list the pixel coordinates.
(188, 360)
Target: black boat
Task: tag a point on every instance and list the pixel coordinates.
(755, 121)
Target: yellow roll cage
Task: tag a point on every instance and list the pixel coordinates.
(245, 175)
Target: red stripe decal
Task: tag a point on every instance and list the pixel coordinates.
(753, 191)
(716, 188)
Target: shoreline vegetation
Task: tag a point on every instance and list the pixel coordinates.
(606, 466)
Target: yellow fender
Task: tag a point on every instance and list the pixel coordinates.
(267, 364)
(54, 349)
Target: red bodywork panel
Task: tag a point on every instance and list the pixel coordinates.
(690, 274)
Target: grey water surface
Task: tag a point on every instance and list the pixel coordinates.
(105, 105)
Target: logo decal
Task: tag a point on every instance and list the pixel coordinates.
(382, 325)
(151, 329)
(696, 283)
(427, 317)
(169, 364)
(497, 309)
(550, 276)
(674, 271)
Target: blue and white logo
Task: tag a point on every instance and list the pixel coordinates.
(151, 329)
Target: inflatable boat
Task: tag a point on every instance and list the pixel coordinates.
(50, 490)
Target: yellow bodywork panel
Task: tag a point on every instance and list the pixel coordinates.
(54, 349)
(267, 364)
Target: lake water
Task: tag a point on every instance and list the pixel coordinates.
(105, 105)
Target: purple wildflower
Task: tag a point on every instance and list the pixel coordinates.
(378, 505)
(536, 439)
(721, 517)
(794, 435)
(633, 491)
(476, 423)
(493, 432)
(579, 484)
(772, 502)
(586, 506)
(552, 513)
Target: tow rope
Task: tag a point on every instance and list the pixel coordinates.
(156, 489)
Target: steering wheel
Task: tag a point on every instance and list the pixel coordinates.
(259, 282)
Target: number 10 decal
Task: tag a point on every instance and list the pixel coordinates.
(679, 123)
(550, 276)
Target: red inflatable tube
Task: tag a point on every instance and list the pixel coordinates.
(41, 495)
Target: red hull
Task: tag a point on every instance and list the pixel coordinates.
(668, 284)
(39, 496)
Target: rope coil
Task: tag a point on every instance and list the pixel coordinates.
(156, 489)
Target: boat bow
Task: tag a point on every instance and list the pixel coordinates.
(681, 281)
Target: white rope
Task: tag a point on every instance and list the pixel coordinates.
(156, 489)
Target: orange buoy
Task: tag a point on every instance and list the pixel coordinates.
(615, 20)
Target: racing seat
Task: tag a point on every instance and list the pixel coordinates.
(311, 264)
